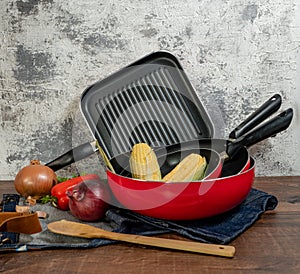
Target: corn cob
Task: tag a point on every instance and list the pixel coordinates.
(143, 163)
(191, 168)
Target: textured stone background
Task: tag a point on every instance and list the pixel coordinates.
(236, 53)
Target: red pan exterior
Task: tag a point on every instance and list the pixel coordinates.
(182, 201)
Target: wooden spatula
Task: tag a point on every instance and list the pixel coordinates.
(87, 231)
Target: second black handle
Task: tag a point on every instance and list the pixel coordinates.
(262, 113)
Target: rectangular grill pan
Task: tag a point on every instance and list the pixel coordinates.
(150, 101)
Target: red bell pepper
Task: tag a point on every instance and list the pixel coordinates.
(59, 190)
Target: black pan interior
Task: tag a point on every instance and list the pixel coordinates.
(176, 152)
(167, 161)
(231, 166)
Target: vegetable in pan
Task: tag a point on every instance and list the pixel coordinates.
(144, 165)
(191, 168)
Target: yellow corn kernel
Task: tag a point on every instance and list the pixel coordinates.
(143, 163)
(191, 168)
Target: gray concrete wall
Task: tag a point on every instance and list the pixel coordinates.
(236, 54)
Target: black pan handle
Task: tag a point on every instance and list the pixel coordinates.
(268, 129)
(262, 113)
(75, 154)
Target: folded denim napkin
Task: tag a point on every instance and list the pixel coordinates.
(220, 229)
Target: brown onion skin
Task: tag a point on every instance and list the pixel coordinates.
(89, 200)
(35, 180)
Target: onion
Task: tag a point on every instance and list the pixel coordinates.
(88, 200)
(34, 181)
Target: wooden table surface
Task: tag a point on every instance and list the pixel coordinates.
(271, 245)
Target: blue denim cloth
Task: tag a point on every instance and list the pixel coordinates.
(220, 229)
(9, 202)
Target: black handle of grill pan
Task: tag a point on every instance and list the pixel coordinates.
(266, 130)
(75, 154)
(262, 113)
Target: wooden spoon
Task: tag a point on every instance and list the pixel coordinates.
(87, 231)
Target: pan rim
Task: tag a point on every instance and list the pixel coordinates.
(220, 179)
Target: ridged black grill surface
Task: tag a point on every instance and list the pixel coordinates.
(151, 102)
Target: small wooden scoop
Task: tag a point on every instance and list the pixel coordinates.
(87, 231)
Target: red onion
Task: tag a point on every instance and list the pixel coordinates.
(88, 200)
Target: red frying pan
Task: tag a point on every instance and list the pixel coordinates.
(191, 200)
(181, 200)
